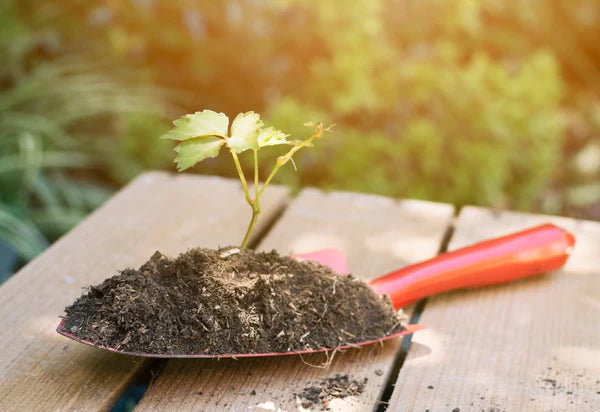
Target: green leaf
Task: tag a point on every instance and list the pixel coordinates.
(244, 132)
(196, 150)
(199, 124)
(271, 137)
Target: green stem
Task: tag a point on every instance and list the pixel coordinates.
(241, 175)
(255, 213)
(285, 158)
(254, 203)
(256, 194)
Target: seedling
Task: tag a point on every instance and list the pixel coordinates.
(202, 134)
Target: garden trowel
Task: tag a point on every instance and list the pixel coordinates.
(527, 253)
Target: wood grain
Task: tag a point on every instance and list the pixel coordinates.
(378, 235)
(532, 345)
(41, 370)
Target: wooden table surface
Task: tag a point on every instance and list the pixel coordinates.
(532, 345)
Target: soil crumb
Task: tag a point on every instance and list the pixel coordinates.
(340, 386)
(229, 301)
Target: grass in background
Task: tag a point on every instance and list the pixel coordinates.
(68, 123)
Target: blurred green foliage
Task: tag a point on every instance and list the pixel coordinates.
(71, 130)
(486, 102)
(457, 101)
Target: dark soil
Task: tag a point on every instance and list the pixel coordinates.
(228, 301)
(340, 386)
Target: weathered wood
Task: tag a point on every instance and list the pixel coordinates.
(41, 370)
(532, 345)
(378, 235)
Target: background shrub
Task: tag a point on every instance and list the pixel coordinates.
(494, 103)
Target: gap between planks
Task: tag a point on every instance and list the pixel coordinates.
(531, 345)
(417, 311)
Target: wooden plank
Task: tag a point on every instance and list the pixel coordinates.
(41, 370)
(532, 345)
(378, 235)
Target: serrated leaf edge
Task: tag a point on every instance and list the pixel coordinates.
(167, 135)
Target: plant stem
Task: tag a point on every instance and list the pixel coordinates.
(241, 175)
(255, 204)
(256, 194)
(285, 158)
(255, 213)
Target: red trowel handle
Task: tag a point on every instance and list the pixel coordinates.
(527, 253)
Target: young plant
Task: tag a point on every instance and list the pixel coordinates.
(202, 134)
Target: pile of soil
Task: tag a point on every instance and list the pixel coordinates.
(340, 386)
(229, 301)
